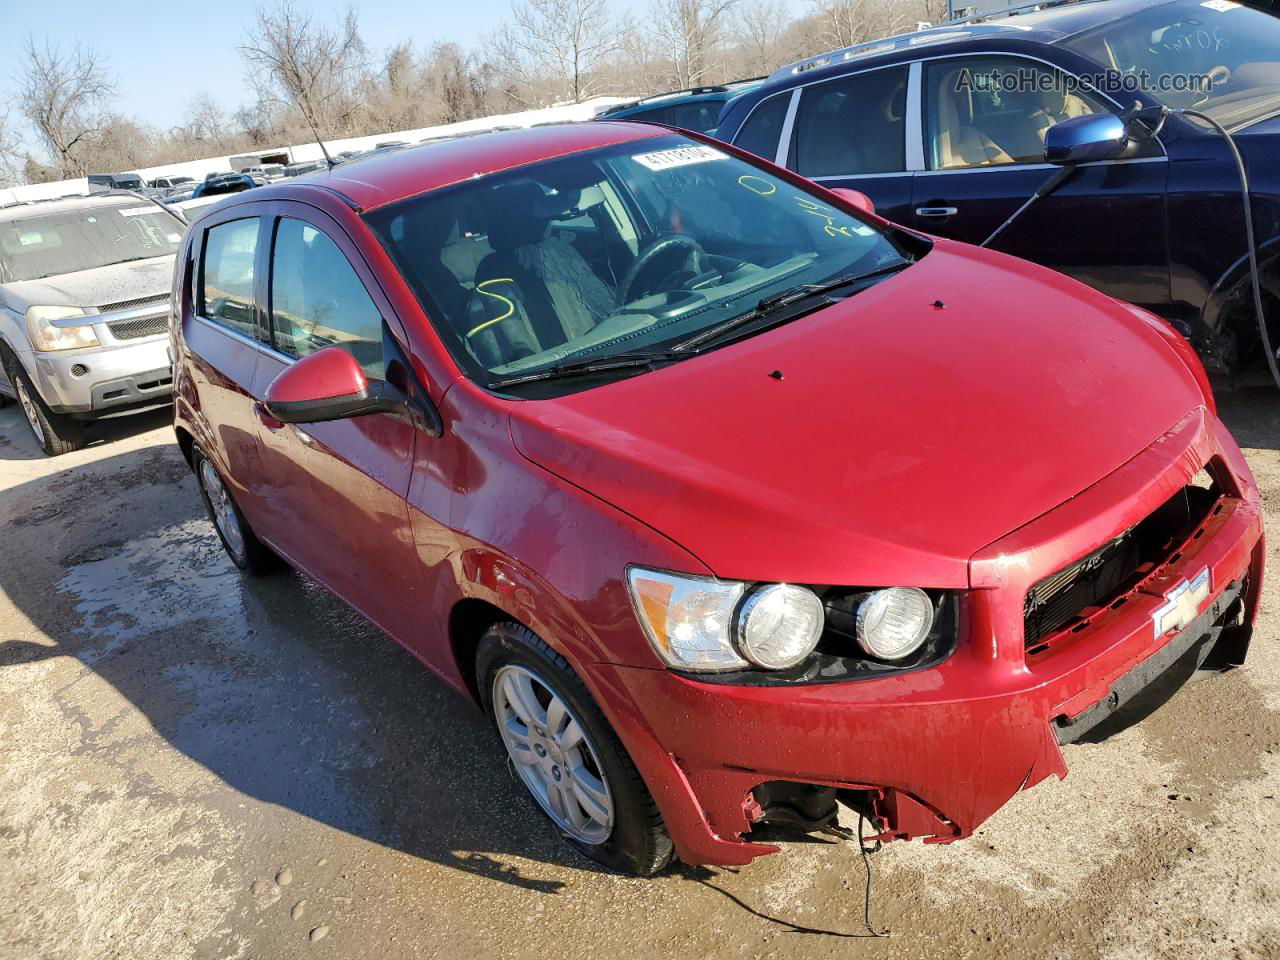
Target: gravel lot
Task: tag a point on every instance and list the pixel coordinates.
(195, 765)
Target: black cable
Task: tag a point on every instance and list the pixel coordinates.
(866, 862)
(1248, 228)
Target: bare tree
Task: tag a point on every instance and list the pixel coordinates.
(63, 95)
(556, 47)
(759, 36)
(206, 121)
(689, 34)
(844, 23)
(312, 66)
(395, 96)
(460, 85)
(934, 11)
(8, 153)
(123, 144)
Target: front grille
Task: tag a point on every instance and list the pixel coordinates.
(129, 304)
(141, 327)
(1066, 599)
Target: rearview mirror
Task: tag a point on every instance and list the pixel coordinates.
(1099, 136)
(855, 197)
(329, 385)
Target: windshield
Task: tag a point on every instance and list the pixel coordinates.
(84, 238)
(627, 248)
(1166, 45)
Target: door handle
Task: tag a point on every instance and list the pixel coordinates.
(267, 420)
(937, 211)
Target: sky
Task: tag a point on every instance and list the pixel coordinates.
(163, 54)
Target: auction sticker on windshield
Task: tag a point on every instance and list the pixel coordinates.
(681, 157)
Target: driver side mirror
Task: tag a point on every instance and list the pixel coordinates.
(1099, 136)
(330, 385)
(855, 197)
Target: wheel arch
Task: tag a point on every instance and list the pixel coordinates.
(469, 620)
(1232, 297)
(186, 443)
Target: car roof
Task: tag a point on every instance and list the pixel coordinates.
(1048, 23)
(37, 208)
(712, 93)
(382, 178)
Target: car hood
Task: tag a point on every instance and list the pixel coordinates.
(93, 288)
(899, 439)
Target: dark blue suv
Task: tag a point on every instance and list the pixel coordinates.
(945, 130)
(697, 109)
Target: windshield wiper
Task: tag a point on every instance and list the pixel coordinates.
(774, 305)
(577, 368)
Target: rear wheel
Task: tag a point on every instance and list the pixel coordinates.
(564, 752)
(245, 550)
(55, 433)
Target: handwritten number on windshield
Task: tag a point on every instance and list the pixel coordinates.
(824, 213)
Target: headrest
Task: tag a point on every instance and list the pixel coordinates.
(518, 215)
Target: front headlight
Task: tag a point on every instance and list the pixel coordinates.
(45, 336)
(697, 623)
(893, 623)
(689, 620)
(780, 625)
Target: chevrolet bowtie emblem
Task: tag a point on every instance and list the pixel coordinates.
(1182, 604)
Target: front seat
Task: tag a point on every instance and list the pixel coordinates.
(534, 292)
(958, 142)
(1037, 111)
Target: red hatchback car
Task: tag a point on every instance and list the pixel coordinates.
(724, 497)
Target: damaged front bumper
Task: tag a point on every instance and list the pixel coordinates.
(933, 753)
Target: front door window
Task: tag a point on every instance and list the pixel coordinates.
(989, 111)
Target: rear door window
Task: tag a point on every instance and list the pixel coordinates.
(226, 289)
(318, 300)
(853, 126)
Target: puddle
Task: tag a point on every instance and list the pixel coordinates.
(231, 672)
(157, 582)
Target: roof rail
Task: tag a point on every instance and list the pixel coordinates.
(35, 200)
(943, 31)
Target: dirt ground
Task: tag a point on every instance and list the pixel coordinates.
(196, 765)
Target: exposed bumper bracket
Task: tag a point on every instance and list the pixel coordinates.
(1184, 654)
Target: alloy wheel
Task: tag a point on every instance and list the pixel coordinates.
(224, 510)
(553, 754)
(29, 409)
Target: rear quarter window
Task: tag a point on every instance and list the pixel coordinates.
(763, 129)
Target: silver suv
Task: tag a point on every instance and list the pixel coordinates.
(84, 311)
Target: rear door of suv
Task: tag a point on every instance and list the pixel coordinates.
(846, 131)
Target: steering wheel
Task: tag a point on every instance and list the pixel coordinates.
(659, 248)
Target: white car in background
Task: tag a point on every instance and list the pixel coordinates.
(84, 311)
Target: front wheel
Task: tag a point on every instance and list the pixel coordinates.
(570, 760)
(55, 433)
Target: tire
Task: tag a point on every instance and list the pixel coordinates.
(246, 551)
(54, 433)
(635, 840)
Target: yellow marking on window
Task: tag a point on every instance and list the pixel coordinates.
(742, 181)
(511, 307)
